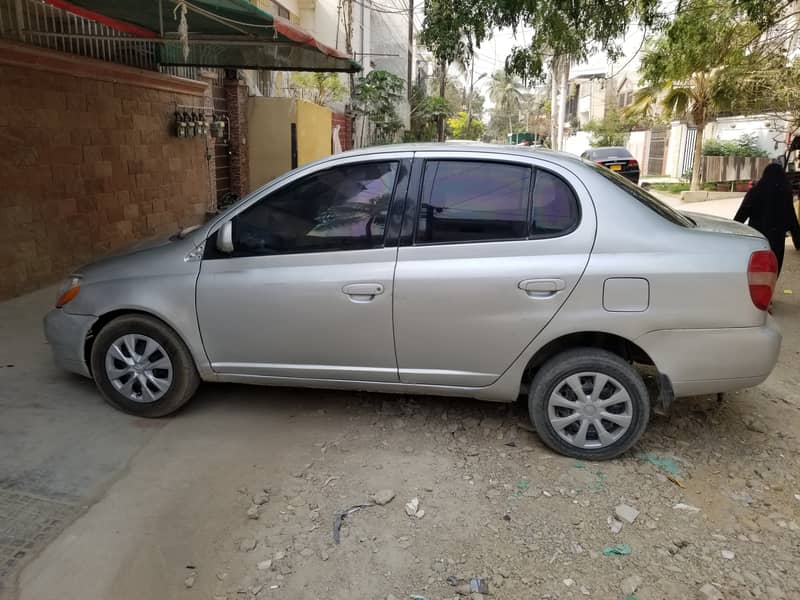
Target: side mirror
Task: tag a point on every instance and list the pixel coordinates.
(225, 238)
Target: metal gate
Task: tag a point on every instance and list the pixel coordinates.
(655, 157)
(688, 151)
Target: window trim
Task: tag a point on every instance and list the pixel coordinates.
(414, 199)
(389, 237)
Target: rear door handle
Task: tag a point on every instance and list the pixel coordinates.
(542, 288)
(362, 292)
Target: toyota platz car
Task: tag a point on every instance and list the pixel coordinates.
(470, 271)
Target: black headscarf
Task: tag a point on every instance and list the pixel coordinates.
(773, 182)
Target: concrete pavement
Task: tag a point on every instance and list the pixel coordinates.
(62, 447)
(60, 444)
(719, 208)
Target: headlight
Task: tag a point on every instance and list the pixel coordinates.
(69, 289)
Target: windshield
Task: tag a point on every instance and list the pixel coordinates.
(650, 201)
(606, 153)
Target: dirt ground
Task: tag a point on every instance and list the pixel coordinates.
(236, 498)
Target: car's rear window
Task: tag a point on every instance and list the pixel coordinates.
(650, 201)
(606, 153)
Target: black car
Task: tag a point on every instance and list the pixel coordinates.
(615, 158)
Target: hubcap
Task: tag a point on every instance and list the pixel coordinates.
(590, 410)
(139, 368)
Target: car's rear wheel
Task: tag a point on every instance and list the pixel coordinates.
(142, 367)
(589, 403)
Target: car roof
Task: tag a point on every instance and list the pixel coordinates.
(474, 147)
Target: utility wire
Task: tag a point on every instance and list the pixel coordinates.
(630, 60)
(381, 9)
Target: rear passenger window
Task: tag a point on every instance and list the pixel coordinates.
(555, 208)
(473, 201)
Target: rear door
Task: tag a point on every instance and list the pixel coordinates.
(495, 247)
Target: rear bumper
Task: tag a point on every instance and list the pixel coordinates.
(706, 361)
(66, 334)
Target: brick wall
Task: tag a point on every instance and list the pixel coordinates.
(236, 100)
(345, 129)
(89, 163)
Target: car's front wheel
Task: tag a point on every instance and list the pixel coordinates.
(589, 403)
(142, 367)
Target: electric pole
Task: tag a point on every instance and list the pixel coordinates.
(410, 46)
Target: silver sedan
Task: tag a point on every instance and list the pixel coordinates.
(475, 271)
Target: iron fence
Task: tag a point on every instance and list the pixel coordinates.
(40, 24)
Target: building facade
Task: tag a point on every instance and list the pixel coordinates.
(93, 159)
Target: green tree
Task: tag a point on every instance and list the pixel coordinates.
(561, 28)
(477, 104)
(611, 130)
(566, 32)
(568, 29)
(562, 32)
(696, 98)
(687, 68)
(458, 127)
(746, 145)
(450, 30)
(455, 93)
(423, 128)
(426, 113)
(767, 13)
(504, 91)
(765, 81)
(375, 98)
(319, 88)
(536, 110)
(438, 109)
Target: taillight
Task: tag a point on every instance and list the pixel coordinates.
(762, 274)
(633, 163)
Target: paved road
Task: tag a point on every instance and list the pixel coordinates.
(61, 445)
(720, 208)
(62, 448)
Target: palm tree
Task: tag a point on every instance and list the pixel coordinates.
(504, 90)
(699, 99)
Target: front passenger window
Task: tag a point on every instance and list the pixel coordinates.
(342, 208)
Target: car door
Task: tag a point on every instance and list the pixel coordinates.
(306, 291)
(498, 244)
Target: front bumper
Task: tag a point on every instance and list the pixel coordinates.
(707, 361)
(66, 334)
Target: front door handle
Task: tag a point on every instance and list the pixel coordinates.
(542, 288)
(362, 292)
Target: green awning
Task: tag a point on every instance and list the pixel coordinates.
(217, 33)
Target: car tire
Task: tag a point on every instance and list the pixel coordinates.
(558, 416)
(122, 374)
